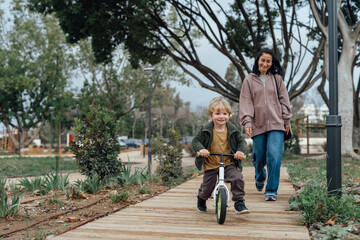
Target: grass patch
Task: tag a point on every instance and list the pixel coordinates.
(320, 211)
(303, 168)
(15, 166)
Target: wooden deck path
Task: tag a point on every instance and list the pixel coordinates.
(173, 215)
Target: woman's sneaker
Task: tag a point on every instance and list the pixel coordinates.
(259, 186)
(201, 204)
(240, 208)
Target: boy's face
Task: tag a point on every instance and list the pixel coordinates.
(220, 117)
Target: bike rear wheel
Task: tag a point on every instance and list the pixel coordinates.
(221, 204)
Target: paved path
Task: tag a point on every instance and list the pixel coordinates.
(173, 215)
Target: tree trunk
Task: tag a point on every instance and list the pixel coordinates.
(345, 99)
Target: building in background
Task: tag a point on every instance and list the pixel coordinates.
(316, 114)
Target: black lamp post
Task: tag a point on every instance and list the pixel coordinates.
(333, 120)
(51, 127)
(149, 115)
(19, 120)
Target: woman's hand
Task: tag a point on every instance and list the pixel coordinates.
(248, 131)
(287, 128)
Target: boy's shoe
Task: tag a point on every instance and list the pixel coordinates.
(240, 208)
(270, 198)
(201, 204)
(259, 186)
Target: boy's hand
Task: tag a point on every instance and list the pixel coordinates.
(239, 155)
(204, 152)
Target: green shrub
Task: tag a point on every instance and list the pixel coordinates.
(169, 155)
(317, 206)
(95, 143)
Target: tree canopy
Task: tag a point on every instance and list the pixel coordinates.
(152, 29)
(35, 64)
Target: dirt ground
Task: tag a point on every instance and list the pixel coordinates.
(53, 214)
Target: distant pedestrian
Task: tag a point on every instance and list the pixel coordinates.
(220, 136)
(265, 112)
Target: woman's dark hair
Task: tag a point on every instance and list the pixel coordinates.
(275, 67)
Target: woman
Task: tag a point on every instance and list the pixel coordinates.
(265, 112)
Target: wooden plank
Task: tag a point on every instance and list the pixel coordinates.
(173, 215)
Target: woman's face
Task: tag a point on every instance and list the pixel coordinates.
(265, 62)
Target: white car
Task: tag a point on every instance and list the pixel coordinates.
(122, 143)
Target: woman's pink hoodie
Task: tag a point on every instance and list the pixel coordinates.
(260, 107)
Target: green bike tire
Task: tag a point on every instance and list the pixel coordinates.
(221, 204)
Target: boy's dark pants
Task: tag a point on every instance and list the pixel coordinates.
(232, 176)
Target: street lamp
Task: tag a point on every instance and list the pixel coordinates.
(149, 115)
(77, 99)
(19, 120)
(51, 127)
(333, 120)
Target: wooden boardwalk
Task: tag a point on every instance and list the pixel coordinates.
(173, 215)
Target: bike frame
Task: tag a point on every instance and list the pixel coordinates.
(221, 183)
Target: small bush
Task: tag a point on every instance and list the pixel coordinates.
(95, 143)
(169, 155)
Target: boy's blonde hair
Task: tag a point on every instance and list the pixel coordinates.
(217, 104)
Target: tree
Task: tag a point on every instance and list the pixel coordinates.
(150, 30)
(115, 84)
(349, 29)
(35, 64)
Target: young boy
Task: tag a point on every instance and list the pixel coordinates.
(220, 136)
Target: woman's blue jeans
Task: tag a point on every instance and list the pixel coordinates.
(267, 151)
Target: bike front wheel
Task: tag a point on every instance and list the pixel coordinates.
(221, 204)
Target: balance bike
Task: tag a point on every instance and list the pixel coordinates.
(221, 193)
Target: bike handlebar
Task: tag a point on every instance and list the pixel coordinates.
(222, 154)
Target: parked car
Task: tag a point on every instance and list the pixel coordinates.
(133, 143)
(187, 140)
(122, 143)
